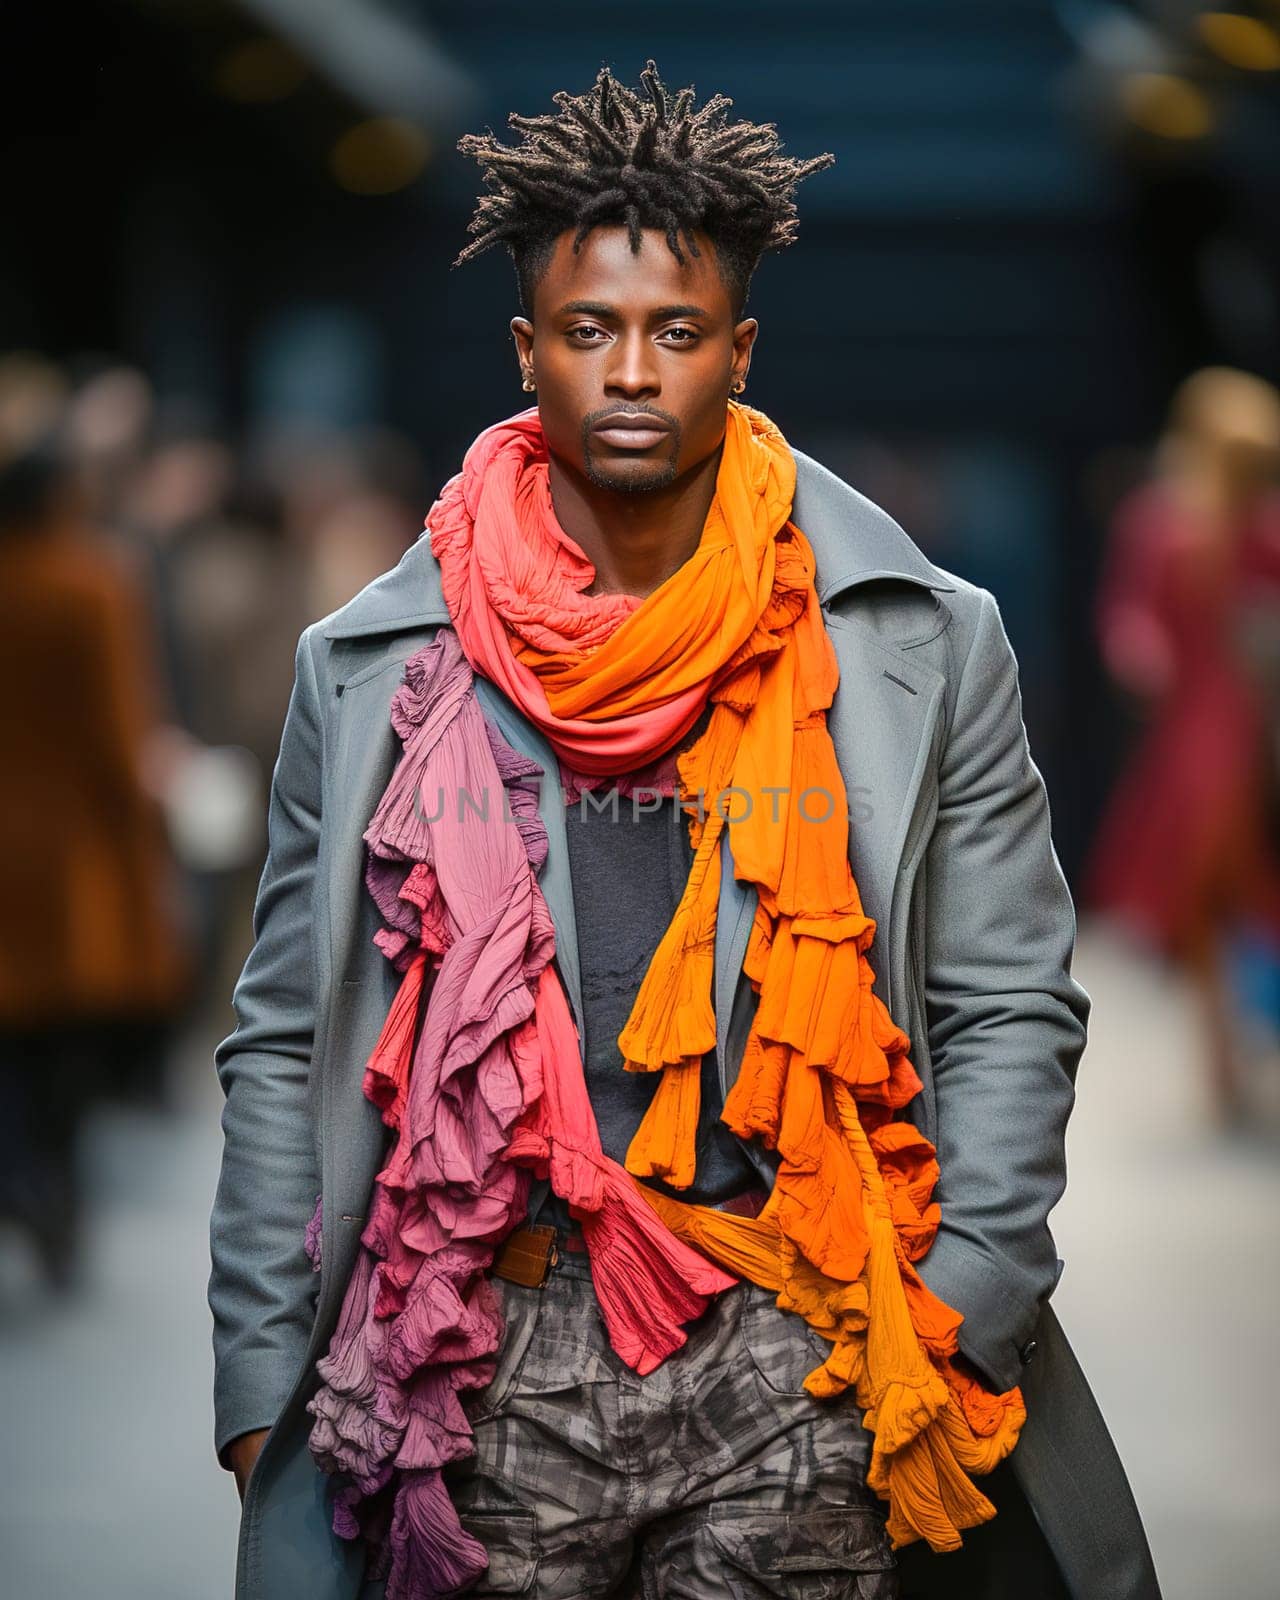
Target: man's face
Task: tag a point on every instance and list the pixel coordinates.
(634, 356)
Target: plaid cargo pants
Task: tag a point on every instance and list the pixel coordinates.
(716, 1477)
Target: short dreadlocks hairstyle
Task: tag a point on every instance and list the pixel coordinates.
(646, 160)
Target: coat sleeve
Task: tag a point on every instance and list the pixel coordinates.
(262, 1289)
(1006, 1020)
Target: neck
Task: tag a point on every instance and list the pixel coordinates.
(634, 541)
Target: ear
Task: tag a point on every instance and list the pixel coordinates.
(522, 333)
(744, 338)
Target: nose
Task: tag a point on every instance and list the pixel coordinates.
(633, 371)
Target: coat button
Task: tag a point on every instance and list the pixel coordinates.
(1027, 1351)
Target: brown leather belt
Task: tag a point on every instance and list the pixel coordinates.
(527, 1255)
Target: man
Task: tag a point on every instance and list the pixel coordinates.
(700, 1327)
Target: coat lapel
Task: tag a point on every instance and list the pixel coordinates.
(884, 723)
(363, 983)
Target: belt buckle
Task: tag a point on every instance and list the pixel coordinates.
(528, 1256)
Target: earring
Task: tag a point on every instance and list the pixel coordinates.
(739, 384)
(528, 385)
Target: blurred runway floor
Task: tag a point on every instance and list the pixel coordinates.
(1169, 1296)
(112, 1490)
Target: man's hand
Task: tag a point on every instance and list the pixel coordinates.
(242, 1453)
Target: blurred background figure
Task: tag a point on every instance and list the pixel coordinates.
(1188, 617)
(93, 968)
(350, 502)
(224, 609)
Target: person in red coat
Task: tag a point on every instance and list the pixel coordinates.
(1188, 615)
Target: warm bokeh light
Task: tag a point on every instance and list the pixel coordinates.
(1166, 105)
(379, 156)
(260, 71)
(1244, 42)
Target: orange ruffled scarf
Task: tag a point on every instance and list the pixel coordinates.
(613, 682)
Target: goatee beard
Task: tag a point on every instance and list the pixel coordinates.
(661, 475)
(655, 474)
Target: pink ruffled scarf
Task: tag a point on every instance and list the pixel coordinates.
(492, 1091)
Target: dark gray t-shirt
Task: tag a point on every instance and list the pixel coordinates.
(629, 863)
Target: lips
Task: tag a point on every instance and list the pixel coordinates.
(628, 430)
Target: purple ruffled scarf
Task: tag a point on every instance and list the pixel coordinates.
(459, 1081)
(420, 1321)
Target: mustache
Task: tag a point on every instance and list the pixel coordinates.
(592, 417)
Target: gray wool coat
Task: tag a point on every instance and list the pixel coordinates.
(950, 846)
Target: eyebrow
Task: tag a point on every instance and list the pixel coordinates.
(607, 313)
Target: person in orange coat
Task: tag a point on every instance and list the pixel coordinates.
(92, 959)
